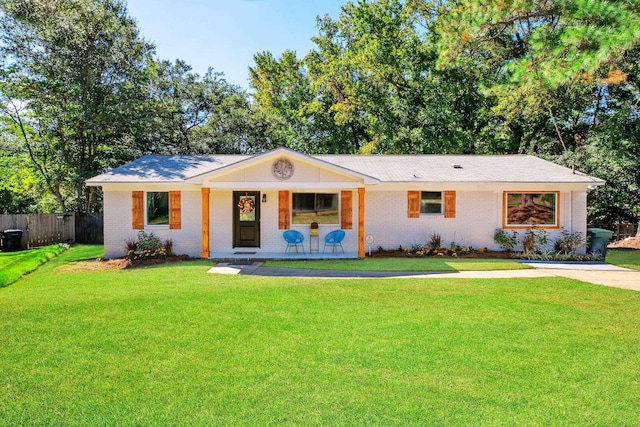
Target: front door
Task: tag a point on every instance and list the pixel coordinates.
(246, 219)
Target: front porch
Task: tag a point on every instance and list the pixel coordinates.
(248, 255)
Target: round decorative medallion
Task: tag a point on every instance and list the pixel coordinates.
(282, 169)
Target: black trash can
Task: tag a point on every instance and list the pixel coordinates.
(11, 240)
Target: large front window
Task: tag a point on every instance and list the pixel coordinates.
(315, 207)
(527, 209)
(157, 208)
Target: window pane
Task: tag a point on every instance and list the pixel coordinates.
(531, 209)
(158, 208)
(431, 202)
(247, 206)
(319, 207)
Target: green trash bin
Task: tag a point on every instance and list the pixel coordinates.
(598, 240)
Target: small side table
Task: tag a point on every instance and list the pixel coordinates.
(314, 243)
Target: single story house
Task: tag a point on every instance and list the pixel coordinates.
(225, 206)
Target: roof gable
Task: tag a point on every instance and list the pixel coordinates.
(278, 153)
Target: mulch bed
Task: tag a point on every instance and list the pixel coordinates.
(629, 243)
(116, 264)
(404, 254)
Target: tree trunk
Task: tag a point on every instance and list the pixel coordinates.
(526, 200)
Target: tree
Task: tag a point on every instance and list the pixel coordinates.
(542, 46)
(73, 84)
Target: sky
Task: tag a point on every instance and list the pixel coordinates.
(225, 34)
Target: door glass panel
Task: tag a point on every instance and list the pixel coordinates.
(247, 206)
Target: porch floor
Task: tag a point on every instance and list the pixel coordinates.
(245, 254)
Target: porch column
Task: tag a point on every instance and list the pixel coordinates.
(361, 222)
(205, 222)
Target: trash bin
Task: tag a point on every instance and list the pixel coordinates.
(11, 240)
(598, 240)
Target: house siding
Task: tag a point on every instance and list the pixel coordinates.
(387, 220)
(118, 224)
(478, 214)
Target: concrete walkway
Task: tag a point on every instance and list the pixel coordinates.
(598, 273)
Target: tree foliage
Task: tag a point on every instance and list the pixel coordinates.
(71, 82)
(555, 79)
(80, 91)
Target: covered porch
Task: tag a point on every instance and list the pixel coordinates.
(245, 255)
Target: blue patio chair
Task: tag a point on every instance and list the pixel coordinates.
(293, 238)
(334, 239)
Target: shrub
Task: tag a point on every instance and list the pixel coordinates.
(417, 247)
(568, 243)
(507, 241)
(435, 241)
(534, 240)
(148, 241)
(168, 247)
(147, 246)
(131, 245)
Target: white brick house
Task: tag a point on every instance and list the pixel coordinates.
(218, 206)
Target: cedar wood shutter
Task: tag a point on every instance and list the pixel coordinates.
(449, 204)
(137, 210)
(346, 210)
(413, 204)
(175, 217)
(283, 210)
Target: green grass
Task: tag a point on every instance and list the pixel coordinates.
(172, 345)
(402, 264)
(624, 258)
(14, 265)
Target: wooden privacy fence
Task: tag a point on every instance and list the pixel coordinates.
(41, 229)
(90, 228)
(47, 229)
(620, 230)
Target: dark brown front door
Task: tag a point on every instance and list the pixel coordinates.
(246, 219)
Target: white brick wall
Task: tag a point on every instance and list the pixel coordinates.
(386, 219)
(118, 229)
(478, 214)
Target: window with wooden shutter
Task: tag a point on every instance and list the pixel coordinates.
(137, 210)
(449, 204)
(283, 210)
(413, 204)
(175, 211)
(346, 210)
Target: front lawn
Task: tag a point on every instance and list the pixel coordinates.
(629, 258)
(14, 265)
(173, 345)
(403, 264)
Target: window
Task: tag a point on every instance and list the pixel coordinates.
(319, 207)
(157, 208)
(526, 209)
(431, 202)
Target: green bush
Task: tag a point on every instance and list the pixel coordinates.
(568, 243)
(507, 241)
(147, 246)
